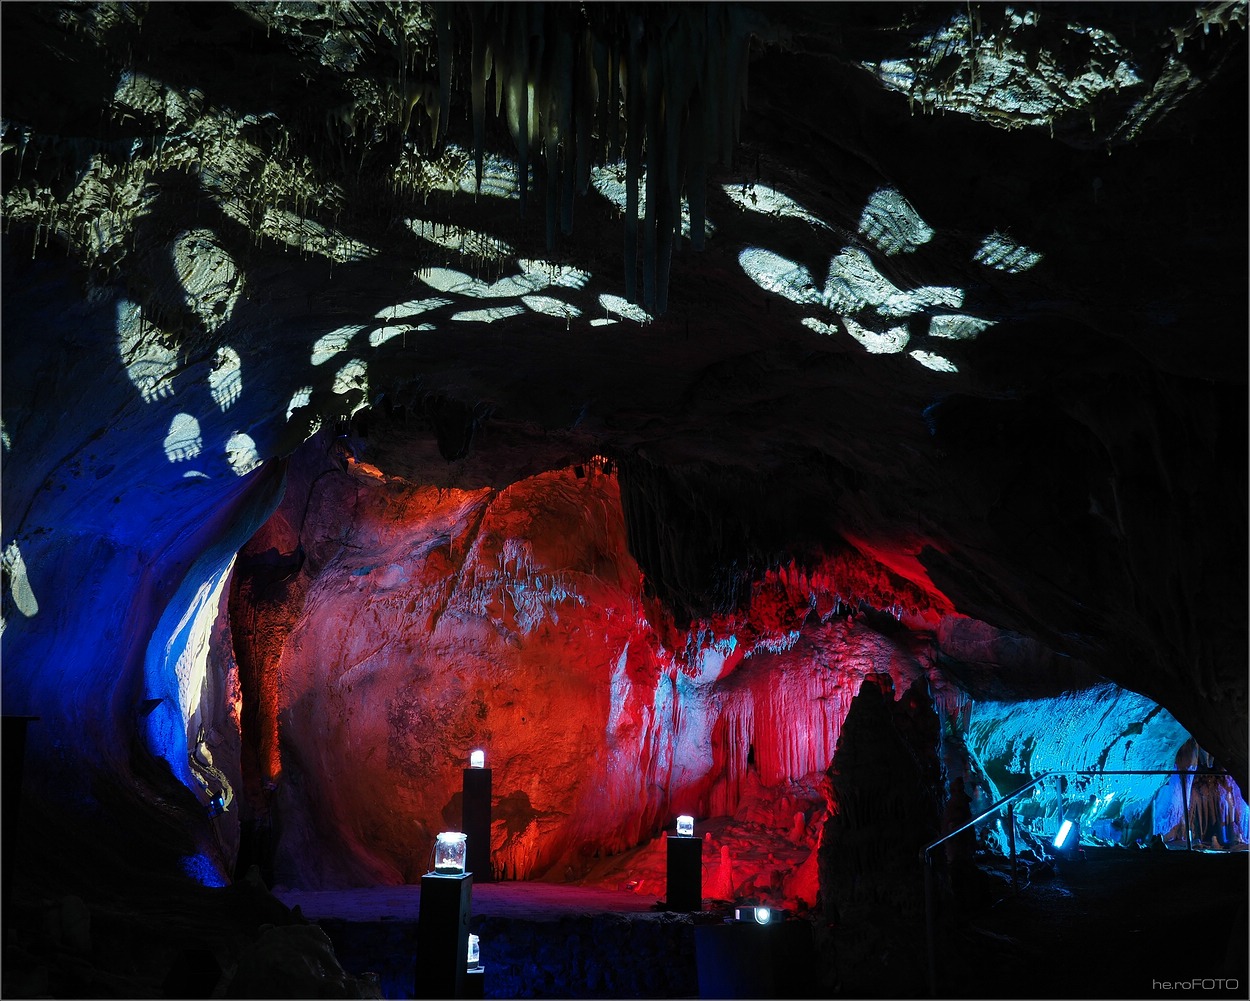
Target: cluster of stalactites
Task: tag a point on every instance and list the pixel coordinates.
(661, 86)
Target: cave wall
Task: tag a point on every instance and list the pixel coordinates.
(205, 259)
(385, 629)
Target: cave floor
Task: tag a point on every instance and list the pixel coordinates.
(1118, 924)
(528, 901)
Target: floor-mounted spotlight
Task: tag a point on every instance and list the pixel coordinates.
(759, 914)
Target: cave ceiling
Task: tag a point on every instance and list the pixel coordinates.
(969, 298)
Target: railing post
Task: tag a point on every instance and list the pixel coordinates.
(1011, 842)
(1189, 831)
(930, 950)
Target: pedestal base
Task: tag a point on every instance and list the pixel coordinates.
(475, 822)
(685, 874)
(443, 935)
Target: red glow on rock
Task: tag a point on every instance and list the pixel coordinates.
(424, 623)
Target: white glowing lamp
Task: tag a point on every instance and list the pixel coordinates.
(763, 915)
(685, 826)
(475, 951)
(1062, 836)
(477, 759)
(449, 852)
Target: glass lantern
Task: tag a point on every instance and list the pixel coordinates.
(449, 852)
(475, 953)
(685, 826)
(477, 759)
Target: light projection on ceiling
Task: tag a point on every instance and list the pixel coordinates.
(892, 224)
(1003, 254)
(611, 182)
(854, 284)
(766, 201)
(210, 279)
(993, 66)
(454, 172)
(333, 343)
(866, 304)
(878, 342)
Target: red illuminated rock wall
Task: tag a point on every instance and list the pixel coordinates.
(384, 630)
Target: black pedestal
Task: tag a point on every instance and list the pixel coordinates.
(685, 874)
(746, 960)
(443, 935)
(475, 823)
(475, 983)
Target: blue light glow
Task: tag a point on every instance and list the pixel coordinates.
(200, 869)
(1062, 836)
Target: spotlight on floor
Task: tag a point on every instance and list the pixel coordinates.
(759, 914)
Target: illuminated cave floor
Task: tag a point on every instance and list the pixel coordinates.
(532, 901)
(1111, 926)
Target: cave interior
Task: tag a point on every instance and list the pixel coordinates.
(817, 419)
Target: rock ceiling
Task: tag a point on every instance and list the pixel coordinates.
(970, 300)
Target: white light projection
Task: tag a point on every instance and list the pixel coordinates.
(241, 453)
(148, 355)
(551, 307)
(487, 315)
(18, 581)
(957, 327)
(1003, 72)
(609, 181)
(311, 237)
(333, 343)
(210, 279)
(454, 172)
(380, 335)
(935, 362)
(466, 242)
(353, 377)
(892, 224)
(225, 381)
(878, 342)
(863, 300)
(854, 284)
(622, 309)
(767, 201)
(1003, 254)
(775, 273)
(300, 398)
(183, 441)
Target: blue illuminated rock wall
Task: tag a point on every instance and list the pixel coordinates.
(1101, 728)
(123, 552)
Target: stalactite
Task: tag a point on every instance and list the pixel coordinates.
(632, 87)
(564, 75)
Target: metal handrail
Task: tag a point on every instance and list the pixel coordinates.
(1009, 801)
